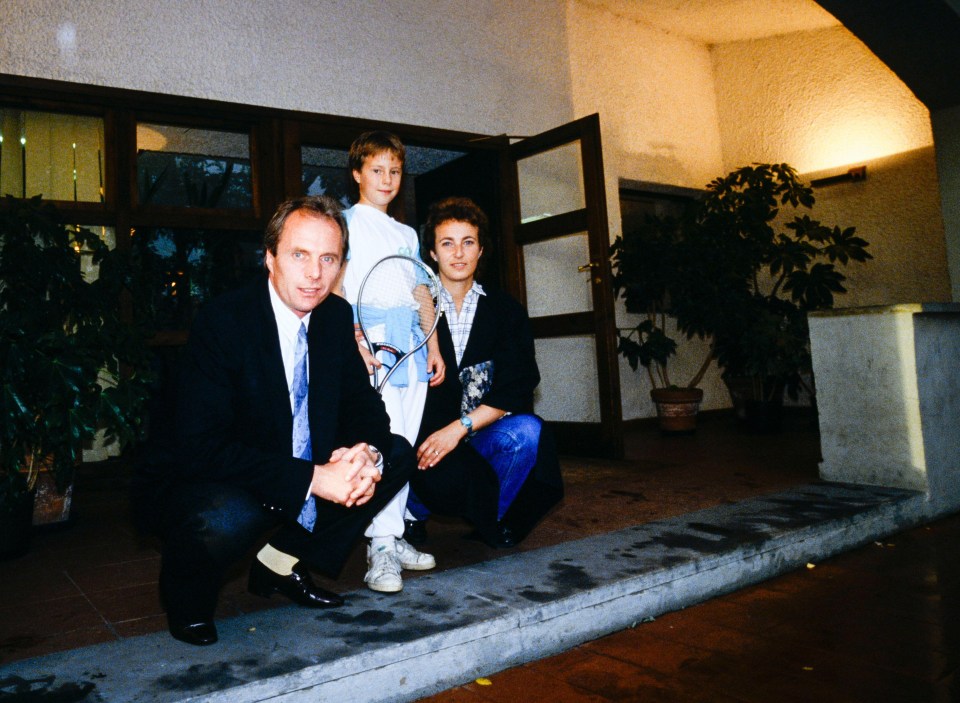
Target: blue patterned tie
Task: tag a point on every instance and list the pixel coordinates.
(301, 420)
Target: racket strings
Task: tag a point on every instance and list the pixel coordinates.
(398, 298)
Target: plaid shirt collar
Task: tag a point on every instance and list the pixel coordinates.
(460, 325)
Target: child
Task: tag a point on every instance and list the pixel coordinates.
(376, 164)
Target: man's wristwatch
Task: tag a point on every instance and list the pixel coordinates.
(468, 423)
(379, 462)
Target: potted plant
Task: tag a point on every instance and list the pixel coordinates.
(775, 270)
(652, 268)
(70, 364)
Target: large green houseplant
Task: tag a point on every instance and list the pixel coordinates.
(69, 363)
(777, 267)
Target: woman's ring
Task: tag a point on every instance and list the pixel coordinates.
(436, 451)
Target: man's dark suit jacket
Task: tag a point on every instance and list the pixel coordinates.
(464, 483)
(234, 422)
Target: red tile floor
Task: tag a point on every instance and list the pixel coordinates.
(881, 623)
(810, 635)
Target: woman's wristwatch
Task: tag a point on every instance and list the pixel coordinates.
(468, 423)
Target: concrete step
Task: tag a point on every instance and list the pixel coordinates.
(451, 627)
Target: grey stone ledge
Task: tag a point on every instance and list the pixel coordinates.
(453, 626)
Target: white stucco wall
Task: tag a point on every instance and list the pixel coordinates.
(655, 95)
(821, 101)
(655, 92)
(491, 66)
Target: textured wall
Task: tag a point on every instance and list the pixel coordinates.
(487, 65)
(817, 99)
(655, 95)
(821, 101)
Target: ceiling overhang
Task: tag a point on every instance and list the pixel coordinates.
(919, 40)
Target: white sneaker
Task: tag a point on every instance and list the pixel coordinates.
(413, 560)
(383, 570)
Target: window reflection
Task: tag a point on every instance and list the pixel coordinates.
(325, 172)
(188, 267)
(551, 183)
(59, 156)
(186, 167)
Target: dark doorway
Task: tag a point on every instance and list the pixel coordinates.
(476, 176)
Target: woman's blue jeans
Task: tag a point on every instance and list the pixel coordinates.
(510, 447)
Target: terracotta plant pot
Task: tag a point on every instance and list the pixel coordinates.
(677, 408)
(52, 507)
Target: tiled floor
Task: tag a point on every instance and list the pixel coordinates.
(96, 580)
(878, 624)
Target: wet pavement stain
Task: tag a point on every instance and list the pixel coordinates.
(435, 606)
(400, 633)
(206, 677)
(495, 597)
(368, 618)
(281, 667)
(44, 689)
(537, 596)
(567, 579)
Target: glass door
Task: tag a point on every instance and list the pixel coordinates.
(558, 265)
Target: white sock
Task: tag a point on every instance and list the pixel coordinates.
(277, 561)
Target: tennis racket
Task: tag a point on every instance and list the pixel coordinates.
(398, 308)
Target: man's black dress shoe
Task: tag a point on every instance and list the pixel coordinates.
(415, 531)
(298, 586)
(197, 633)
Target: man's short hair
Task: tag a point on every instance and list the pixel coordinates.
(373, 143)
(458, 209)
(315, 205)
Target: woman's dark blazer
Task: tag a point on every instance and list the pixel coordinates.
(500, 333)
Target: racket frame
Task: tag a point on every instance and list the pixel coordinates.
(376, 347)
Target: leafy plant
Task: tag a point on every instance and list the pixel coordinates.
(69, 363)
(772, 276)
(734, 270)
(651, 265)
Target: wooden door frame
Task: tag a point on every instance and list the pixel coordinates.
(573, 437)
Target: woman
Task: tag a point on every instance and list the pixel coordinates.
(485, 456)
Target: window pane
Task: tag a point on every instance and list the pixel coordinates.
(324, 172)
(57, 156)
(187, 167)
(636, 207)
(188, 267)
(568, 391)
(555, 286)
(551, 183)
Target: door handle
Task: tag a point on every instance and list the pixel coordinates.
(590, 267)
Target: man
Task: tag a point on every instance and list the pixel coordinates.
(276, 423)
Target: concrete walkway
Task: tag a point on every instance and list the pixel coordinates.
(456, 625)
